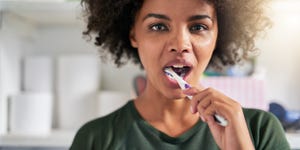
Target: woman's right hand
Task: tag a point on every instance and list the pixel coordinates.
(208, 102)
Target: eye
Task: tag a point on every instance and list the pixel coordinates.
(198, 27)
(158, 27)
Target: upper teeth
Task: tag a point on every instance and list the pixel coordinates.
(178, 66)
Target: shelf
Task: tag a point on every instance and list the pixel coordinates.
(54, 139)
(44, 12)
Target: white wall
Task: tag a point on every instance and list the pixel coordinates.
(13, 40)
(119, 79)
(280, 53)
(60, 39)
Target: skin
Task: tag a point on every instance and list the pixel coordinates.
(183, 33)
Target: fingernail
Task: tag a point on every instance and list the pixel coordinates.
(202, 118)
(185, 90)
(192, 110)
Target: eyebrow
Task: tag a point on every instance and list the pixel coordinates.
(199, 17)
(192, 18)
(159, 16)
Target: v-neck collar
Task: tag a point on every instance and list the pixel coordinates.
(155, 132)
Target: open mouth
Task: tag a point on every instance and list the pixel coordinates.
(180, 70)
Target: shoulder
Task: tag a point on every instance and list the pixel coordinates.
(260, 120)
(102, 129)
(115, 117)
(252, 114)
(265, 129)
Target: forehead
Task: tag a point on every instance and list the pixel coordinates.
(178, 7)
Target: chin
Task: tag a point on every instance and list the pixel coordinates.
(176, 97)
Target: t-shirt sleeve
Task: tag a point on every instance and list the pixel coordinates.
(83, 140)
(102, 133)
(267, 132)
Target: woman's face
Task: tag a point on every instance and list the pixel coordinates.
(180, 34)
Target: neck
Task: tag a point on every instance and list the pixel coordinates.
(154, 102)
(171, 116)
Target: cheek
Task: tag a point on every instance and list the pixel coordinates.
(204, 49)
(143, 60)
(147, 58)
(149, 52)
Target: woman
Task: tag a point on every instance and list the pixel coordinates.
(185, 35)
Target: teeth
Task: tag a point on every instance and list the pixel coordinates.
(178, 66)
(180, 69)
(182, 75)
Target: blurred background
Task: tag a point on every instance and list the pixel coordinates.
(52, 80)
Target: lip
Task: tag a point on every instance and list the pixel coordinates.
(178, 62)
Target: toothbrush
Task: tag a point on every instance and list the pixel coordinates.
(184, 85)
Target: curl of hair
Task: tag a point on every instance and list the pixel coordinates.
(239, 23)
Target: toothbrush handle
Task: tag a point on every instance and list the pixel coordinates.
(220, 120)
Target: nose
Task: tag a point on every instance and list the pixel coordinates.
(180, 42)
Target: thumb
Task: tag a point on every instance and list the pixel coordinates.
(191, 91)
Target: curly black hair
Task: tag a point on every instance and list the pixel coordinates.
(239, 23)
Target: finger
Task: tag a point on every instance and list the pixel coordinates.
(214, 98)
(200, 100)
(194, 102)
(223, 110)
(214, 126)
(191, 91)
(198, 96)
(203, 103)
(230, 110)
(208, 112)
(211, 121)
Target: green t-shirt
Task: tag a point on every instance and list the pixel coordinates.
(125, 129)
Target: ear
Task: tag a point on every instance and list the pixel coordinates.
(132, 38)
